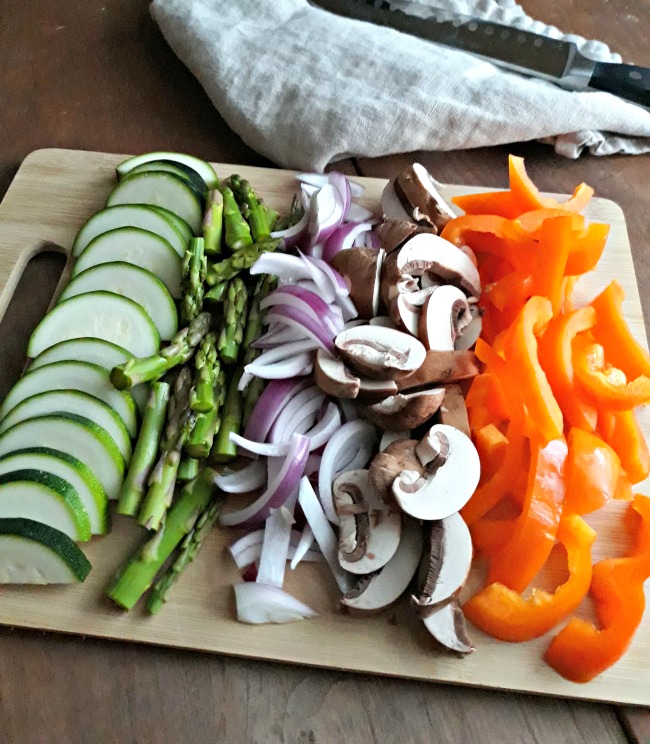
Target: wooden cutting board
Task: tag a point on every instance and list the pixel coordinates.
(54, 192)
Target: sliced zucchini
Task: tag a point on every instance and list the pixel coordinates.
(131, 215)
(34, 553)
(65, 466)
(160, 189)
(96, 351)
(97, 315)
(88, 378)
(75, 435)
(179, 223)
(130, 281)
(204, 169)
(134, 246)
(190, 176)
(45, 498)
(73, 401)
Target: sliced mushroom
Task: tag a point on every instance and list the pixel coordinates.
(334, 378)
(394, 233)
(453, 410)
(419, 195)
(447, 625)
(382, 320)
(358, 266)
(380, 353)
(472, 331)
(374, 391)
(453, 480)
(444, 316)
(404, 410)
(369, 532)
(445, 564)
(391, 206)
(441, 367)
(397, 457)
(388, 437)
(379, 590)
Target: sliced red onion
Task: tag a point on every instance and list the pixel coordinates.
(349, 448)
(313, 179)
(347, 307)
(323, 533)
(340, 182)
(372, 240)
(326, 212)
(313, 464)
(354, 324)
(306, 402)
(265, 449)
(280, 487)
(288, 269)
(275, 397)
(356, 189)
(296, 235)
(247, 549)
(357, 213)
(259, 603)
(300, 365)
(278, 335)
(297, 319)
(325, 428)
(302, 549)
(250, 478)
(308, 302)
(275, 548)
(350, 411)
(345, 237)
(325, 288)
(336, 281)
(285, 351)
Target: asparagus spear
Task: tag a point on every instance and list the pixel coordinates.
(188, 550)
(133, 580)
(179, 351)
(260, 217)
(216, 293)
(223, 450)
(145, 450)
(237, 232)
(242, 259)
(234, 321)
(195, 268)
(213, 223)
(207, 424)
(207, 368)
(188, 469)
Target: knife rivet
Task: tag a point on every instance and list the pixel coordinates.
(538, 42)
(505, 35)
(472, 26)
(489, 31)
(635, 75)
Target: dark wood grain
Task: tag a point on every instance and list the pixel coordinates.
(97, 75)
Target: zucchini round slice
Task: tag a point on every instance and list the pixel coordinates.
(204, 169)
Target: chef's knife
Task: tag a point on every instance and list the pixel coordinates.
(554, 60)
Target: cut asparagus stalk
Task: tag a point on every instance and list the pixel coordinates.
(138, 574)
(146, 449)
(207, 369)
(216, 293)
(237, 233)
(223, 449)
(179, 351)
(195, 268)
(188, 550)
(234, 321)
(207, 424)
(187, 470)
(259, 217)
(213, 223)
(239, 261)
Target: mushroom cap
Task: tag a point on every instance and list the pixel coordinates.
(404, 410)
(388, 437)
(389, 583)
(369, 532)
(418, 193)
(450, 486)
(333, 377)
(470, 334)
(445, 314)
(380, 353)
(391, 206)
(397, 457)
(447, 626)
(441, 367)
(453, 410)
(358, 266)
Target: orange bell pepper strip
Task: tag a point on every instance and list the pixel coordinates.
(587, 249)
(556, 358)
(613, 332)
(489, 535)
(607, 385)
(513, 289)
(568, 284)
(527, 196)
(593, 470)
(498, 203)
(505, 614)
(532, 221)
(551, 259)
(527, 373)
(518, 562)
(581, 651)
(623, 488)
(491, 445)
(623, 433)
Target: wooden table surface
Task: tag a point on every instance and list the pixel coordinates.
(97, 75)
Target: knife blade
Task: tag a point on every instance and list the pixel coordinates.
(557, 61)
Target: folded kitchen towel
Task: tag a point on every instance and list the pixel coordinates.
(304, 87)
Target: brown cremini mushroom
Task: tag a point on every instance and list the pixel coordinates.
(441, 367)
(394, 233)
(404, 410)
(333, 377)
(360, 268)
(453, 410)
(447, 625)
(397, 457)
(444, 316)
(418, 194)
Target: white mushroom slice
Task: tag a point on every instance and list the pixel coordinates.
(388, 437)
(359, 268)
(382, 320)
(451, 484)
(444, 316)
(391, 206)
(447, 626)
(453, 410)
(379, 590)
(369, 532)
(380, 353)
(392, 233)
(470, 334)
(334, 378)
(419, 195)
(445, 563)
(376, 287)
(404, 410)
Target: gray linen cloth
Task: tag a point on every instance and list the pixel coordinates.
(304, 87)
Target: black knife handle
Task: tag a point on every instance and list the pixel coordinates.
(627, 81)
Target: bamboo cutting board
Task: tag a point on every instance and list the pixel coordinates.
(54, 192)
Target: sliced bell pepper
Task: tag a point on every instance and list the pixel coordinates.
(498, 203)
(623, 488)
(489, 535)
(556, 358)
(555, 239)
(513, 289)
(607, 385)
(612, 331)
(491, 445)
(505, 614)
(527, 196)
(518, 562)
(625, 437)
(568, 284)
(586, 249)
(532, 221)
(593, 470)
(531, 382)
(580, 651)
